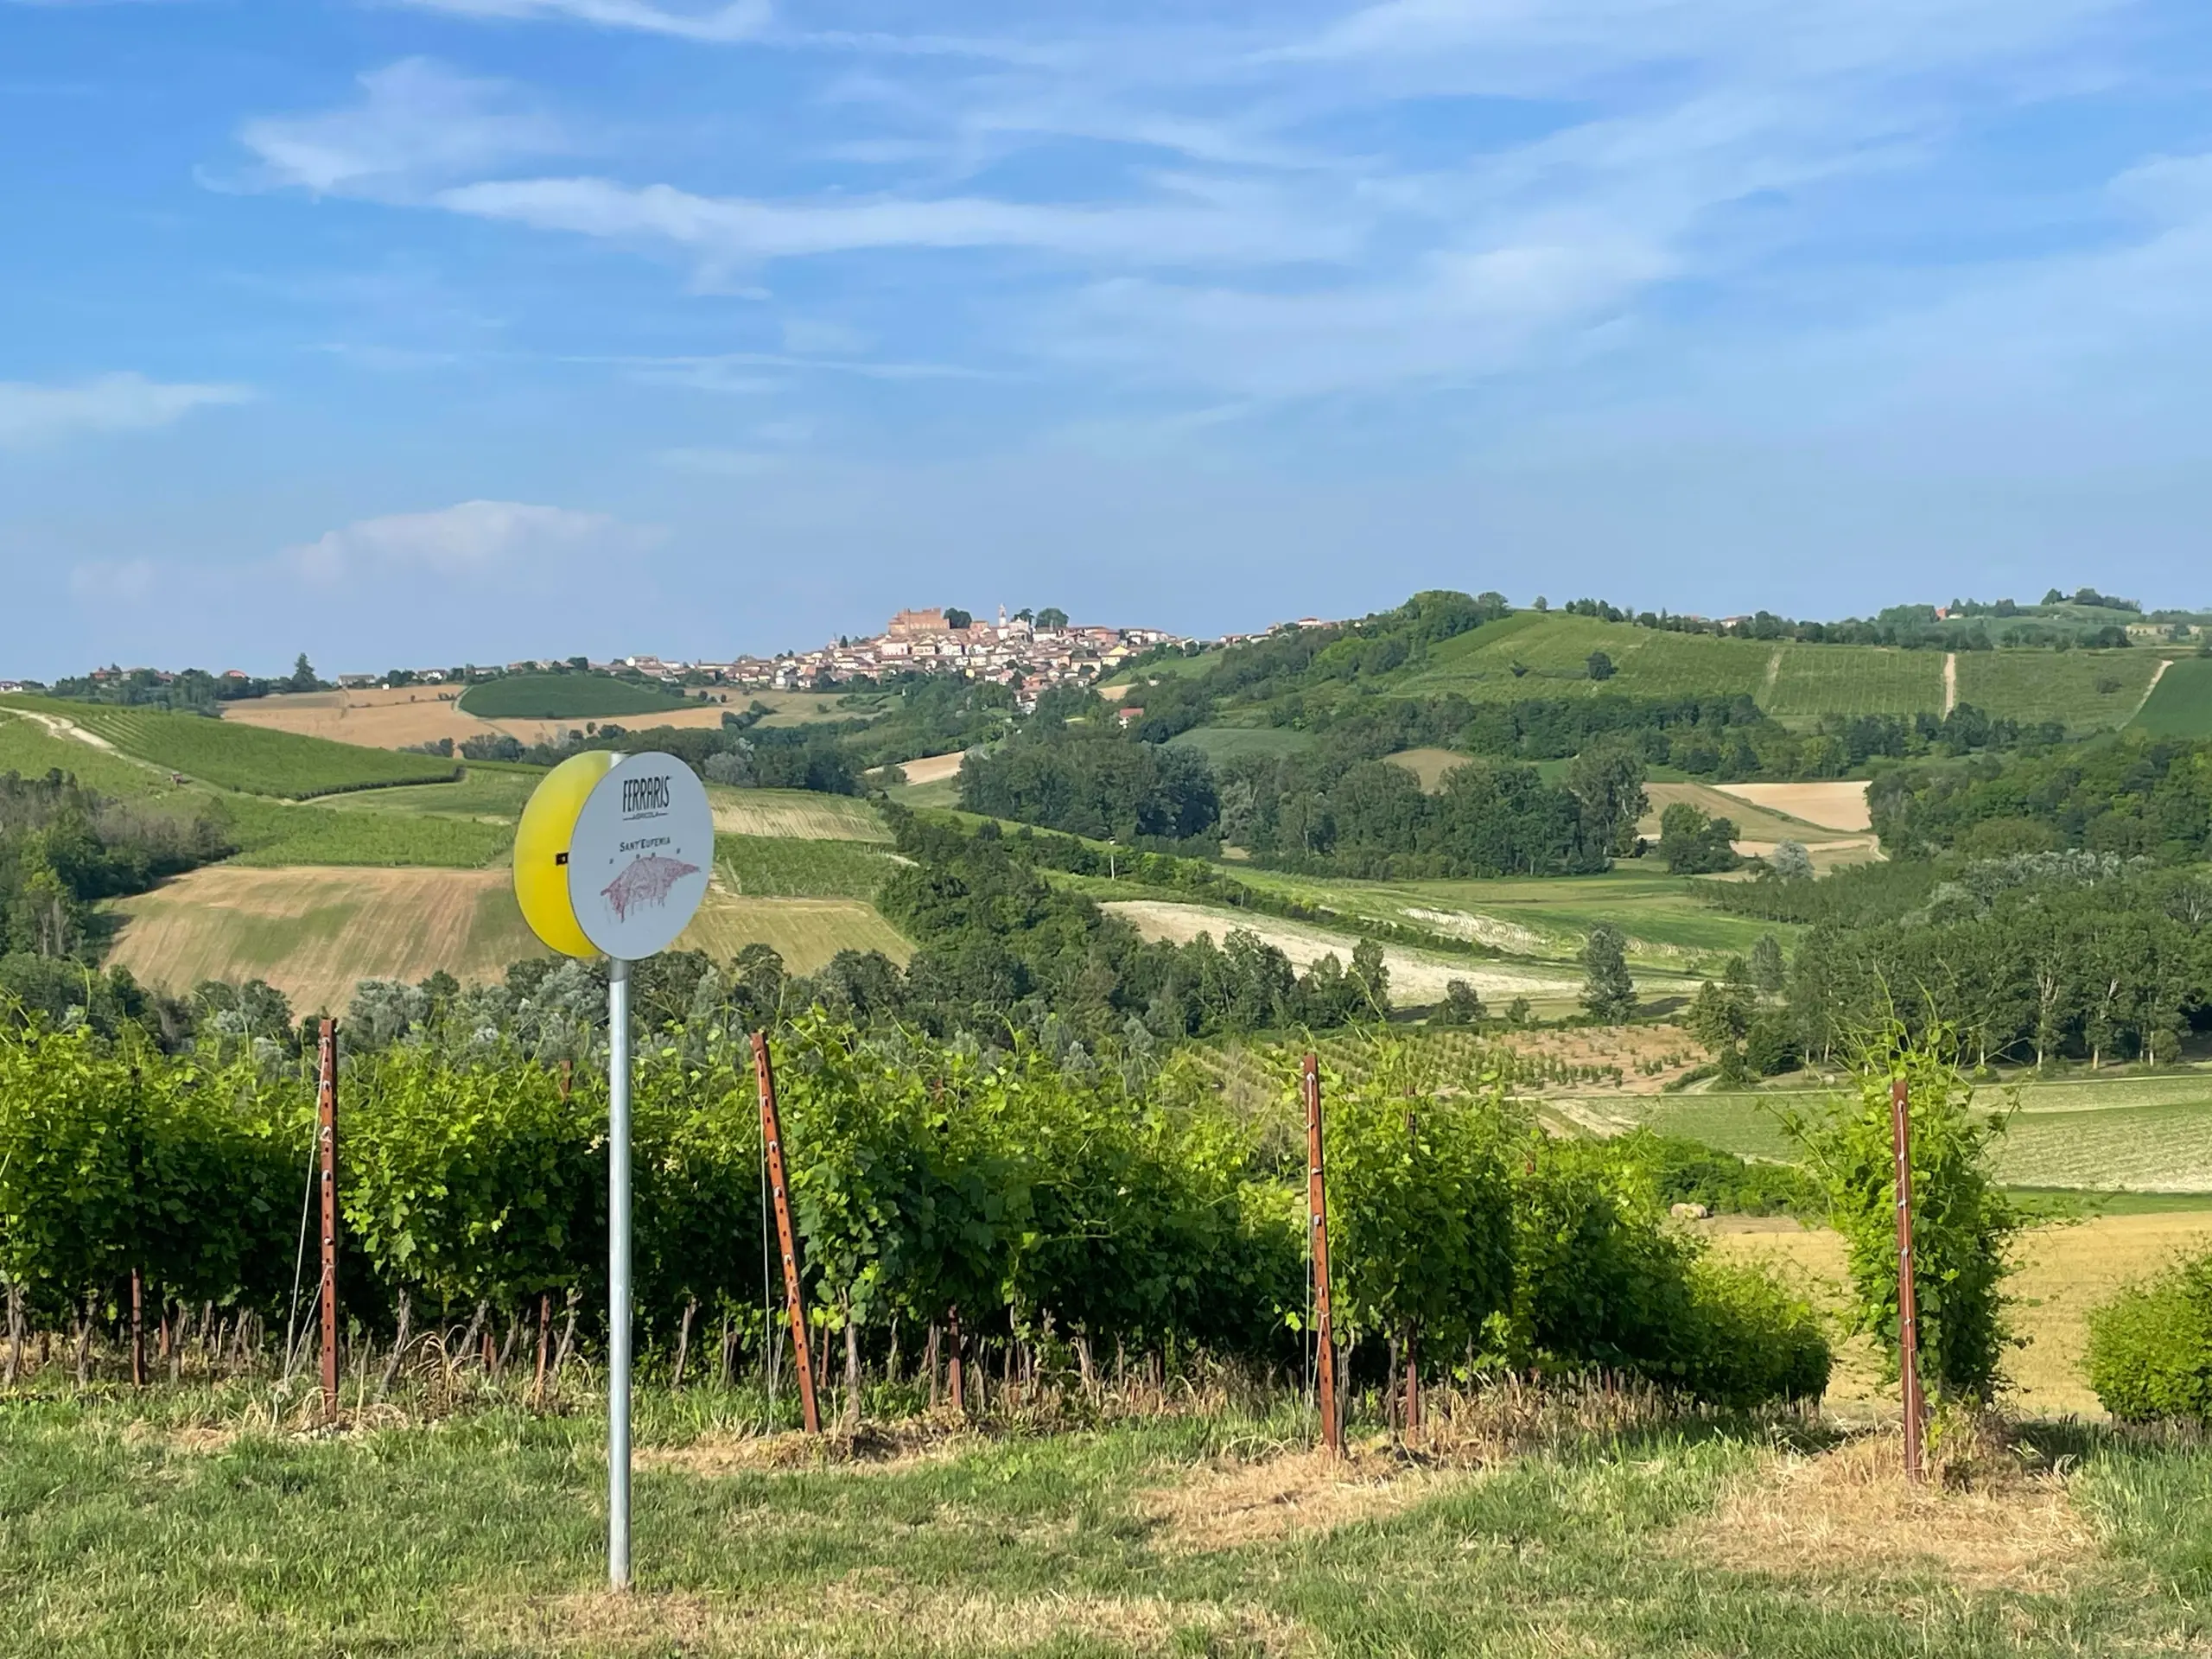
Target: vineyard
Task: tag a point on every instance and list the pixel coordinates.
(247, 758)
(1022, 1207)
(565, 697)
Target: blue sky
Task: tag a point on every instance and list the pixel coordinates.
(413, 331)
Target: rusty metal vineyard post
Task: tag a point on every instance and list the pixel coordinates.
(1908, 1307)
(794, 1297)
(1317, 1213)
(326, 1137)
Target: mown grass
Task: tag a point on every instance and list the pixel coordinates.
(482, 1534)
(318, 833)
(1220, 743)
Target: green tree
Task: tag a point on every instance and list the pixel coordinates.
(303, 678)
(1607, 778)
(1051, 619)
(1600, 666)
(1769, 973)
(957, 618)
(1961, 1220)
(1608, 992)
(1695, 843)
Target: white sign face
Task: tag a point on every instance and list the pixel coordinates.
(640, 859)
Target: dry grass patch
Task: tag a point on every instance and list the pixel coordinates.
(1827, 805)
(1848, 1513)
(1226, 1505)
(873, 1612)
(887, 1447)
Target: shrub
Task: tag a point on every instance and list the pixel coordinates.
(2151, 1347)
(1961, 1220)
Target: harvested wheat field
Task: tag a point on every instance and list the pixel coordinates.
(1839, 806)
(1753, 823)
(1428, 765)
(381, 718)
(312, 932)
(1415, 976)
(933, 768)
(2064, 1271)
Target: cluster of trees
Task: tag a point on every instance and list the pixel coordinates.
(742, 754)
(2131, 795)
(1092, 780)
(2032, 958)
(974, 1196)
(194, 690)
(63, 848)
(1964, 627)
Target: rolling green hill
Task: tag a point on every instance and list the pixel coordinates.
(565, 697)
(1532, 654)
(250, 760)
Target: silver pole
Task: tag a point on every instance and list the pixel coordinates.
(618, 1275)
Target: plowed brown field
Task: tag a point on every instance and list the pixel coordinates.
(383, 719)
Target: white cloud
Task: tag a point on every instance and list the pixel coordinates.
(472, 538)
(32, 414)
(737, 230)
(742, 20)
(418, 123)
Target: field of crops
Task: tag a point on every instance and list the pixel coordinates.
(313, 933)
(1855, 680)
(795, 815)
(272, 833)
(805, 932)
(250, 759)
(763, 866)
(2180, 704)
(1668, 922)
(1554, 651)
(2091, 690)
(564, 696)
(483, 791)
(33, 748)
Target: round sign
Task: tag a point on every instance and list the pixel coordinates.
(548, 823)
(640, 855)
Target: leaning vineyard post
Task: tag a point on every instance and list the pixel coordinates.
(772, 1141)
(1317, 1218)
(1908, 1306)
(326, 1138)
(611, 860)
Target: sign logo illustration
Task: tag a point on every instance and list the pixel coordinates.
(648, 882)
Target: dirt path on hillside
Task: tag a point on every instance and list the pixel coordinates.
(57, 726)
(2157, 674)
(1950, 680)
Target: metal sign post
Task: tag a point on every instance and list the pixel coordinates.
(327, 1133)
(612, 859)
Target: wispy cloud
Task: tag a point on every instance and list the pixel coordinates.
(736, 230)
(471, 539)
(416, 123)
(32, 414)
(742, 20)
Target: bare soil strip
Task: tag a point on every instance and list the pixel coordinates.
(1825, 806)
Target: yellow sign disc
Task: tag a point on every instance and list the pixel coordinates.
(548, 823)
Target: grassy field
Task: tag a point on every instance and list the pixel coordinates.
(1554, 650)
(762, 866)
(2147, 1134)
(127, 1532)
(483, 792)
(565, 697)
(1221, 743)
(1429, 765)
(1668, 924)
(2064, 685)
(2181, 706)
(322, 832)
(33, 747)
(248, 759)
